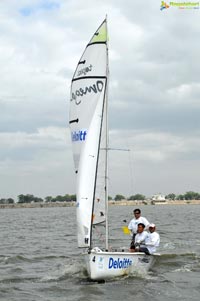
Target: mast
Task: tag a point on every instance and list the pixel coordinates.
(107, 143)
(103, 117)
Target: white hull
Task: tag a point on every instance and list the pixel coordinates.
(105, 265)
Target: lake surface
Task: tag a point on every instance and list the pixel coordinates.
(39, 258)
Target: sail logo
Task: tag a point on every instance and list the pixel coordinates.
(79, 93)
(119, 263)
(85, 70)
(101, 263)
(79, 135)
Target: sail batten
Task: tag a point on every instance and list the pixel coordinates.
(87, 99)
(88, 77)
(93, 43)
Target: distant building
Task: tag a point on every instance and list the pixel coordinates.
(158, 198)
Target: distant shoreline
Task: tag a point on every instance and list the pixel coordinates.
(112, 202)
(150, 202)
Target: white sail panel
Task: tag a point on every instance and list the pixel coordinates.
(99, 201)
(82, 110)
(86, 179)
(99, 229)
(87, 85)
(92, 62)
(86, 113)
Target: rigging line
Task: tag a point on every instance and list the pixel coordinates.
(99, 234)
(117, 149)
(131, 174)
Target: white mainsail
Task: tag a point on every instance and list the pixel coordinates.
(89, 133)
(87, 123)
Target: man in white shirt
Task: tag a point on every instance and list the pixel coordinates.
(133, 225)
(140, 237)
(151, 241)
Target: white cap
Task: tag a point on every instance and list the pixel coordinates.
(152, 225)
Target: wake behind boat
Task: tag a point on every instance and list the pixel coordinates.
(89, 133)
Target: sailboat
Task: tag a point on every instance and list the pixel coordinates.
(88, 123)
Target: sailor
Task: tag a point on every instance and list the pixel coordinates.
(139, 238)
(151, 242)
(133, 225)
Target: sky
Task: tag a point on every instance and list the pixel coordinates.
(154, 95)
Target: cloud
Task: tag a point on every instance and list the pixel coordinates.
(40, 162)
(153, 94)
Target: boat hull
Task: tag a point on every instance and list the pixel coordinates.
(105, 265)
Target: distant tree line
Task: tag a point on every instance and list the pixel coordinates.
(135, 197)
(30, 198)
(190, 195)
(60, 198)
(7, 201)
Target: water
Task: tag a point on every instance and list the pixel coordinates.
(39, 258)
